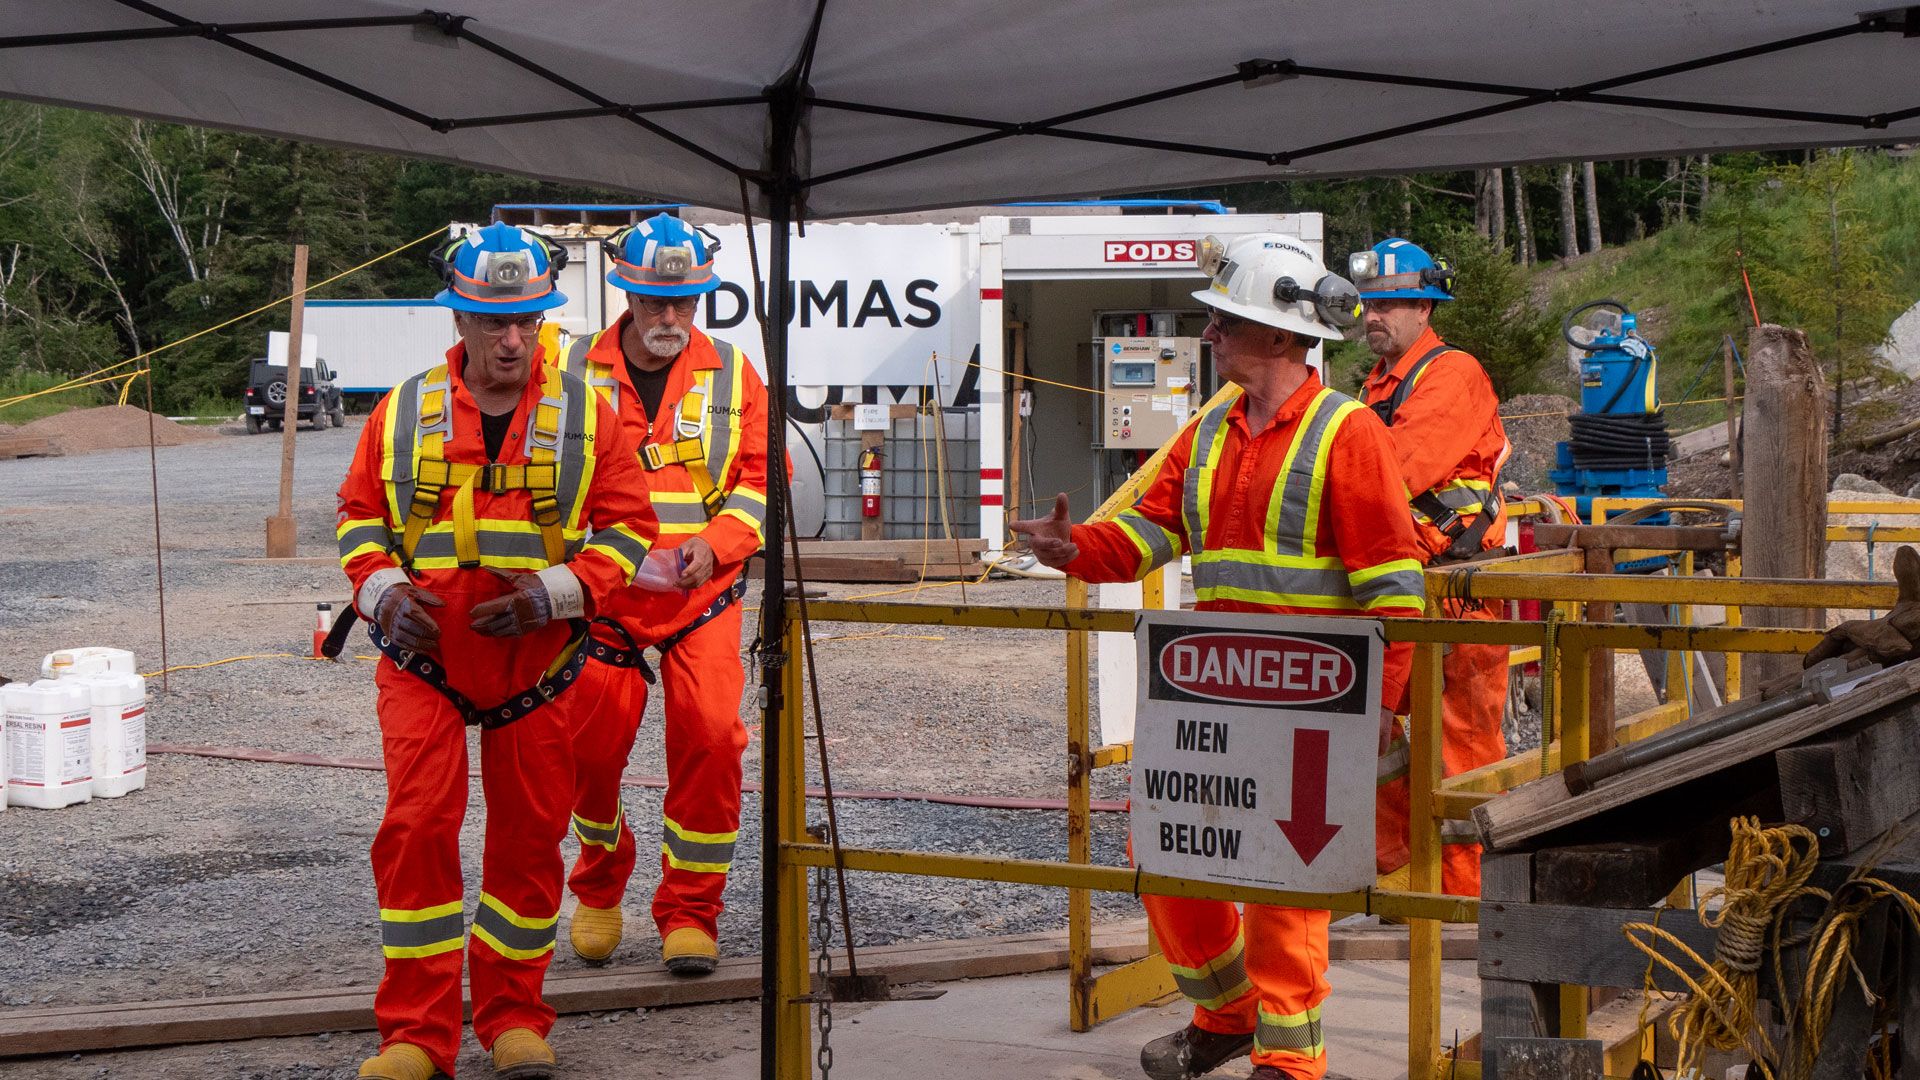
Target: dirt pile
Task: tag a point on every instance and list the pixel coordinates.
(1534, 423)
(110, 427)
(1895, 464)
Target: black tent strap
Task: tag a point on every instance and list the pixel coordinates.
(187, 29)
(555, 115)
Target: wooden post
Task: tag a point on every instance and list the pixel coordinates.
(281, 532)
(1733, 436)
(1784, 529)
(1600, 697)
(1011, 500)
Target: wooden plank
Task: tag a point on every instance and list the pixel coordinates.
(1851, 788)
(27, 446)
(1544, 805)
(1523, 1058)
(1708, 538)
(73, 1029)
(1560, 943)
(1637, 867)
(1784, 524)
(1508, 1008)
(1600, 697)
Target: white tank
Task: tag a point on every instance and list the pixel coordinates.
(119, 728)
(49, 743)
(92, 660)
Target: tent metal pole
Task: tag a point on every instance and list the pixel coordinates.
(773, 624)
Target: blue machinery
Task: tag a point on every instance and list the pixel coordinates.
(1618, 440)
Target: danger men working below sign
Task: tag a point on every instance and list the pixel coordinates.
(1254, 748)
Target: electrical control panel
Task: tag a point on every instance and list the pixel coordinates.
(1148, 389)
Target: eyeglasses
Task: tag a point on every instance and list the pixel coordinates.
(1224, 323)
(494, 326)
(658, 305)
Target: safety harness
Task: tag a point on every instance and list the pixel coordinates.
(728, 597)
(433, 474)
(1463, 539)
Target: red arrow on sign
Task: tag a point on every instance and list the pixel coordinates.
(1308, 829)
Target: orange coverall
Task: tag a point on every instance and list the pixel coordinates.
(1450, 441)
(1267, 973)
(700, 675)
(526, 766)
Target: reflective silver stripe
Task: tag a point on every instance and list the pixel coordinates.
(1467, 496)
(1160, 542)
(1219, 570)
(437, 543)
(693, 851)
(1300, 1033)
(1213, 991)
(1297, 487)
(518, 938)
(1203, 435)
(405, 403)
(1398, 583)
(720, 437)
(629, 548)
(407, 934)
(590, 833)
(679, 513)
(571, 454)
(1392, 765)
(361, 535)
(748, 503)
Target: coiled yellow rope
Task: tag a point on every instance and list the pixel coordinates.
(1767, 871)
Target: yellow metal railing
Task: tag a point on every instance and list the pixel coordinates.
(1435, 799)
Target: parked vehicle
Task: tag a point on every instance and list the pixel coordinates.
(266, 396)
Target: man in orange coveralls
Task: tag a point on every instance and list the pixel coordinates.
(698, 412)
(463, 524)
(1289, 499)
(1440, 408)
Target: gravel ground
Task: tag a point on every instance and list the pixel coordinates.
(166, 893)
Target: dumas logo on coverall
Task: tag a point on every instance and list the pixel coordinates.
(1257, 669)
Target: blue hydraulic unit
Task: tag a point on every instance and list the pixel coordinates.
(1618, 445)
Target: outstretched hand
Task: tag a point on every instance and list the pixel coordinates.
(1051, 537)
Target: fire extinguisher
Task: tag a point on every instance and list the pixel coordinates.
(870, 462)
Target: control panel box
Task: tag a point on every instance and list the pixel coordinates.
(1149, 387)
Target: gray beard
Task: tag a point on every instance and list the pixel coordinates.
(664, 343)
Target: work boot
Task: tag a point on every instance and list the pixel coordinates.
(401, 1061)
(1192, 1051)
(595, 933)
(519, 1054)
(690, 951)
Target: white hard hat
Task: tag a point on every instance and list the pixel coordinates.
(1275, 280)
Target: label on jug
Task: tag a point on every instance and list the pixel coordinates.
(27, 758)
(133, 728)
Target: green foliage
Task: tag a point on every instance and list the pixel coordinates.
(30, 382)
(1491, 315)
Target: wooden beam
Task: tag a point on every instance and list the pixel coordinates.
(72, 1029)
(1707, 538)
(1851, 788)
(1562, 943)
(1544, 805)
(1785, 522)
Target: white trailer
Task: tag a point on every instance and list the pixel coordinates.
(896, 312)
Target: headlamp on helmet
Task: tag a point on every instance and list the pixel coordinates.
(1211, 254)
(1333, 297)
(1363, 264)
(674, 262)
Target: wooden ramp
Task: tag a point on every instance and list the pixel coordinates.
(74, 1028)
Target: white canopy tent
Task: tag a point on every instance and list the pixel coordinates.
(818, 109)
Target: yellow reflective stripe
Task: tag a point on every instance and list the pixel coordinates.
(359, 536)
(1258, 596)
(412, 933)
(700, 837)
(1156, 543)
(1217, 983)
(604, 834)
(728, 428)
(624, 546)
(512, 935)
(699, 852)
(1309, 541)
(1292, 1033)
(1283, 487)
(1396, 566)
(452, 907)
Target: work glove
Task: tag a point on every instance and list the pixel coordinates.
(401, 613)
(533, 601)
(1889, 639)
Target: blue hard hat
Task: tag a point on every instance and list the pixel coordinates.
(662, 256)
(1396, 269)
(500, 270)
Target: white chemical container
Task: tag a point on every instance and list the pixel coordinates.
(92, 660)
(49, 743)
(119, 732)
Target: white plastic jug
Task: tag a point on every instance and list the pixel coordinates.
(92, 660)
(119, 703)
(49, 743)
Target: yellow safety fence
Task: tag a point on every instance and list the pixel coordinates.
(1566, 648)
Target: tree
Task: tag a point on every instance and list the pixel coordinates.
(1491, 315)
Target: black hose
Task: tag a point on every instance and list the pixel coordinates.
(1630, 441)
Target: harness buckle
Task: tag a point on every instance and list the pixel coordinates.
(653, 456)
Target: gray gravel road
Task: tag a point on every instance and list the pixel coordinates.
(230, 877)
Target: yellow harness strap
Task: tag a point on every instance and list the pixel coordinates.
(689, 446)
(433, 474)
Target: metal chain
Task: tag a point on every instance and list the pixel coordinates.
(823, 968)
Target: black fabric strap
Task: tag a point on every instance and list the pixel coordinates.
(431, 671)
(727, 598)
(631, 656)
(1386, 410)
